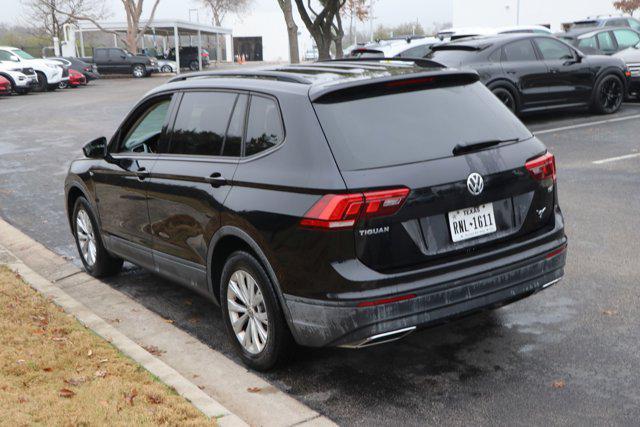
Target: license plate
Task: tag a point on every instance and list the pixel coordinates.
(472, 222)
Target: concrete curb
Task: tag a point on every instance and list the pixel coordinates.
(225, 389)
(164, 372)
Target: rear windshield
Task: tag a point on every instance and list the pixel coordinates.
(412, 127)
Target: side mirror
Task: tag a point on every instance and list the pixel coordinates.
(96, 149)
(14, 58)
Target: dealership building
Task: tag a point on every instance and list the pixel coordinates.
(552, 13)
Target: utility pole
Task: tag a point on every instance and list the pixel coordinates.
(518, 13)
(371, 18)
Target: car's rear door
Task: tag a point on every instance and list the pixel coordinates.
(522, 65)
(404, 145)
(192, 179)
(121, 181)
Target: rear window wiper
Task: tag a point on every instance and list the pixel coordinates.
(470, 147)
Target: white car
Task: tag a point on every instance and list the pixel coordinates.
(167, 66)
(50, 73)
(462, 32)
(22, 79)
(409, 47)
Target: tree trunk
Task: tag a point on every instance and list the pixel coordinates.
(292, 30)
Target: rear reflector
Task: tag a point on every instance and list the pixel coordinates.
(556, 252)
(543, 167)
(386, 300)
(339, 211)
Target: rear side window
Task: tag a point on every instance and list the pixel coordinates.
(416, 126)
(233, 142)
(264, 129)
(520, 51)
(453, 57)
(201, 123)
(605, 41)
(589, 42)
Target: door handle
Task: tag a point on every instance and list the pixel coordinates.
(216, 180)
(511, 71)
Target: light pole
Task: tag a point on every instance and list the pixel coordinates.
(518, 13)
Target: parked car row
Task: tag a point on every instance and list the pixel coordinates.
(530, 69)
(24, 73)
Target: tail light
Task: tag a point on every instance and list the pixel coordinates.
(339, 211)
(543, 167)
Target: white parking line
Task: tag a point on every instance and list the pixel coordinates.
(615, 159)
(584, 125)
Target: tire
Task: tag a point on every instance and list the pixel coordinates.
(608, 95)
(193, 66)
(63, 85)
(244, 270)
(166, 69)
(138, 71)
(95, 258)
(43, 83)
(507, 98)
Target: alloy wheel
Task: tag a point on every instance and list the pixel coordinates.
(86, 237)
(506, 98)
(611, 94)
(166, 69)
(247, 312)
(138, 71)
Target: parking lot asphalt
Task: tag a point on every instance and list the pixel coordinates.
(568, 355)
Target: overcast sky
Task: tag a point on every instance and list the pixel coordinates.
(388, 12)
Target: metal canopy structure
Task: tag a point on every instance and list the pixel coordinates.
(168, 29)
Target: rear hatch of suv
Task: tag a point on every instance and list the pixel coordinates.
(434, 171)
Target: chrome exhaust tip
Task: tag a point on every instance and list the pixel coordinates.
(380, 338)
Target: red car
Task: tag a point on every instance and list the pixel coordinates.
(76, 78)
(5, 86)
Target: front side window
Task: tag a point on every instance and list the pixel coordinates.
(605, 42)
(264, 129)
(635, 24)
(201, 123)
(8, 56)
(626, 38)
(144, 135)
(553, 50)
(415, 52)
(520, 51)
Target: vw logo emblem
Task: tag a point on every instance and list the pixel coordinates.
(475, 184)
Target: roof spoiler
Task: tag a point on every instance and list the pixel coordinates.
(420, 62)
(406, 82)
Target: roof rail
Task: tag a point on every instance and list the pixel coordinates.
(267, 74)
(420, 62)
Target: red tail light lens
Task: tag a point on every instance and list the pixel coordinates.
(543, 167)
(339, 211)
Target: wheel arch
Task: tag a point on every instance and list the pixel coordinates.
(508, 85)
(8, 77)
(607, 71)
(224, 242)
(73, 193)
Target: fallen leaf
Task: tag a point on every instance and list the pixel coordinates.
(254, 389)
(201, 387)
(153, 350)
(558, 384)
(116, 320)
(89, 353)
(39, 332)
(65, 392)
(75, 381)
(609, 312)
(129, 397)
(168, 320)
(103, 361)
(22, 399)
(47, 369)
(100, 373)
(154, 398)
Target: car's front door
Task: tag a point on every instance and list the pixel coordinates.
(522, 66)
(570, 79)
(121, 180)
(192, 179)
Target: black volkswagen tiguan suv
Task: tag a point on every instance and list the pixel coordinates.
(341, 203)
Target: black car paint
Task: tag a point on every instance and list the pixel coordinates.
(116, 61)
(538, 85)
(142, 198)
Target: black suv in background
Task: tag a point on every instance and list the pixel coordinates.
(113, 60)
(331, 204)
(537, 73)
(189, 57)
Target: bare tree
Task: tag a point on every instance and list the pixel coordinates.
(323, 25)
(627, 6)
(355, 10)
(133, 10)
(45, 21)
(292, 30)
(221, 8)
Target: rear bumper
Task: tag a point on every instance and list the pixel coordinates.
(318, 323)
